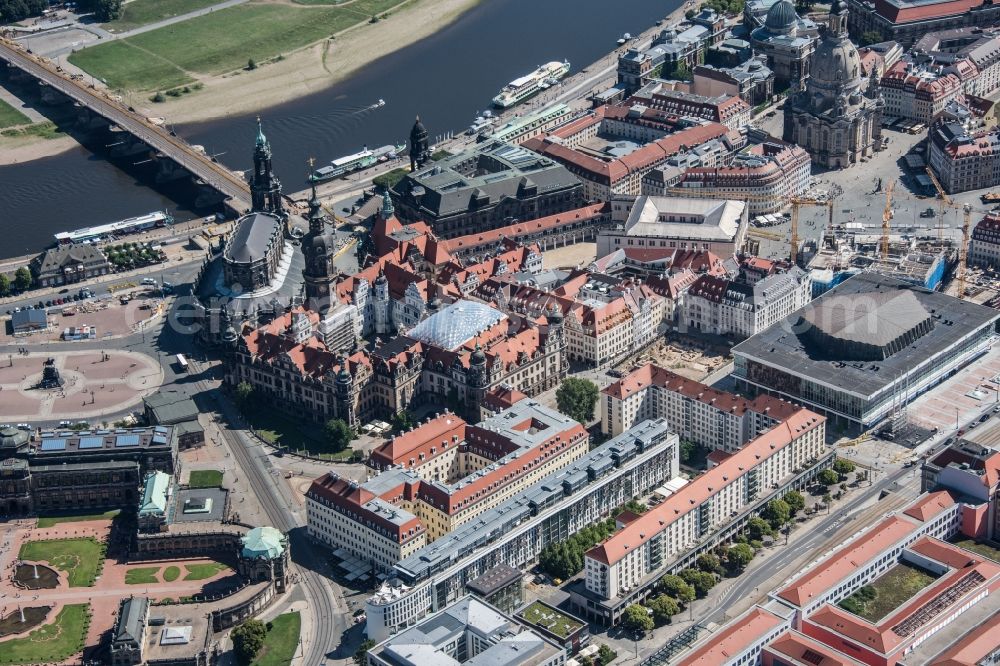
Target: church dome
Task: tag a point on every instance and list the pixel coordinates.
(835, 63)
(781, 17)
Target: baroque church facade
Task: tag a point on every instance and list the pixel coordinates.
(837, 117)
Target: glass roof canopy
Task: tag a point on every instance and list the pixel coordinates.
(456, 324)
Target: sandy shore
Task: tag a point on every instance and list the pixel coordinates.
(312, 68)
(28, 148)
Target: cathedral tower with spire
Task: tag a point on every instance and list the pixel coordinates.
(318, 247)
(265, 188)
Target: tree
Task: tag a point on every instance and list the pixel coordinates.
(681, 71)
(361, 656)
(636, 618)
(843, 467)
(777, 513)
(758, 528)
(576, 398)
(247, 639)
(795, 501)
(4, 284)
(687, 450)
(709, 562)
(244, 391)
(827, 500)
(738, 556)
(678, 588)
(870, 37)
(702, 581)
(828, 477)
(338, 434)
(402, 421)
(606, 654)
(251, 64)
(22, 279)
(664, 608)
(107, 10)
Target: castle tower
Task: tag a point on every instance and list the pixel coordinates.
(420, 151)
(265, 188)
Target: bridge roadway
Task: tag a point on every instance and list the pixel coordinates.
(157, 138)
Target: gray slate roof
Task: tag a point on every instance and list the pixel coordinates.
(252, 237)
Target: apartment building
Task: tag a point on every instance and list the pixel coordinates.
(437, 477)
(918, 93)
(906, 21)
(984, 246)
(603, 318)
(739, 310)
(964, 161)
(697, 412)
(637, 553)
(765, 175)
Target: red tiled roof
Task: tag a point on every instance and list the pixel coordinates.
(907, 13)
(441, 433)
(930, 505)
(807, 651)
(351, 497)
(734, 639)
(493, 236)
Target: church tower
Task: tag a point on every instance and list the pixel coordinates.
(420, 151)
(265, 188)
(318, 248)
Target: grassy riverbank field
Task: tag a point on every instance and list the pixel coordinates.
(143, 12)
(9, 116)
(219, 42)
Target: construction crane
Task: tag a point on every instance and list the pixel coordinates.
(964, 252)
(886, 217)
(943, 198)
(793, 244)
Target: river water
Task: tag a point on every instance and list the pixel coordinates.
(446, 79)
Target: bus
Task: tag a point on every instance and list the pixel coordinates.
(181, 361)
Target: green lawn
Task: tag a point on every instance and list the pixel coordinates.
(79, 558)
(980, 549)
(887, 592)
(203, 571)
(50, 521)
(170, 574)
(554, 621)
(216, 43)
(141, 576)
(51, 643)
(9, 116)
(280, 642)
(205, 478)
(142, 12)
(279, 430)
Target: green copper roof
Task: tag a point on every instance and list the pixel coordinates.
(263, 542)
(154, 495)
(261, 139)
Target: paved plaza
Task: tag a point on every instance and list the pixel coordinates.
(97, 384)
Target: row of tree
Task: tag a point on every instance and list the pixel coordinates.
(22, 281)
(564, 559)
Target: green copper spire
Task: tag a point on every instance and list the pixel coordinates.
(261, 139)
(387, 209)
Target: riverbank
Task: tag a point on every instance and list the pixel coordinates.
(313, 68)
(25, 148)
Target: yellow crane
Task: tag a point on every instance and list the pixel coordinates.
(964, 251)
(943, 198)
(886, 217)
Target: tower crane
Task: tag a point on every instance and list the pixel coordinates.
(943, 198)
(886, 217)
(964, 251)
